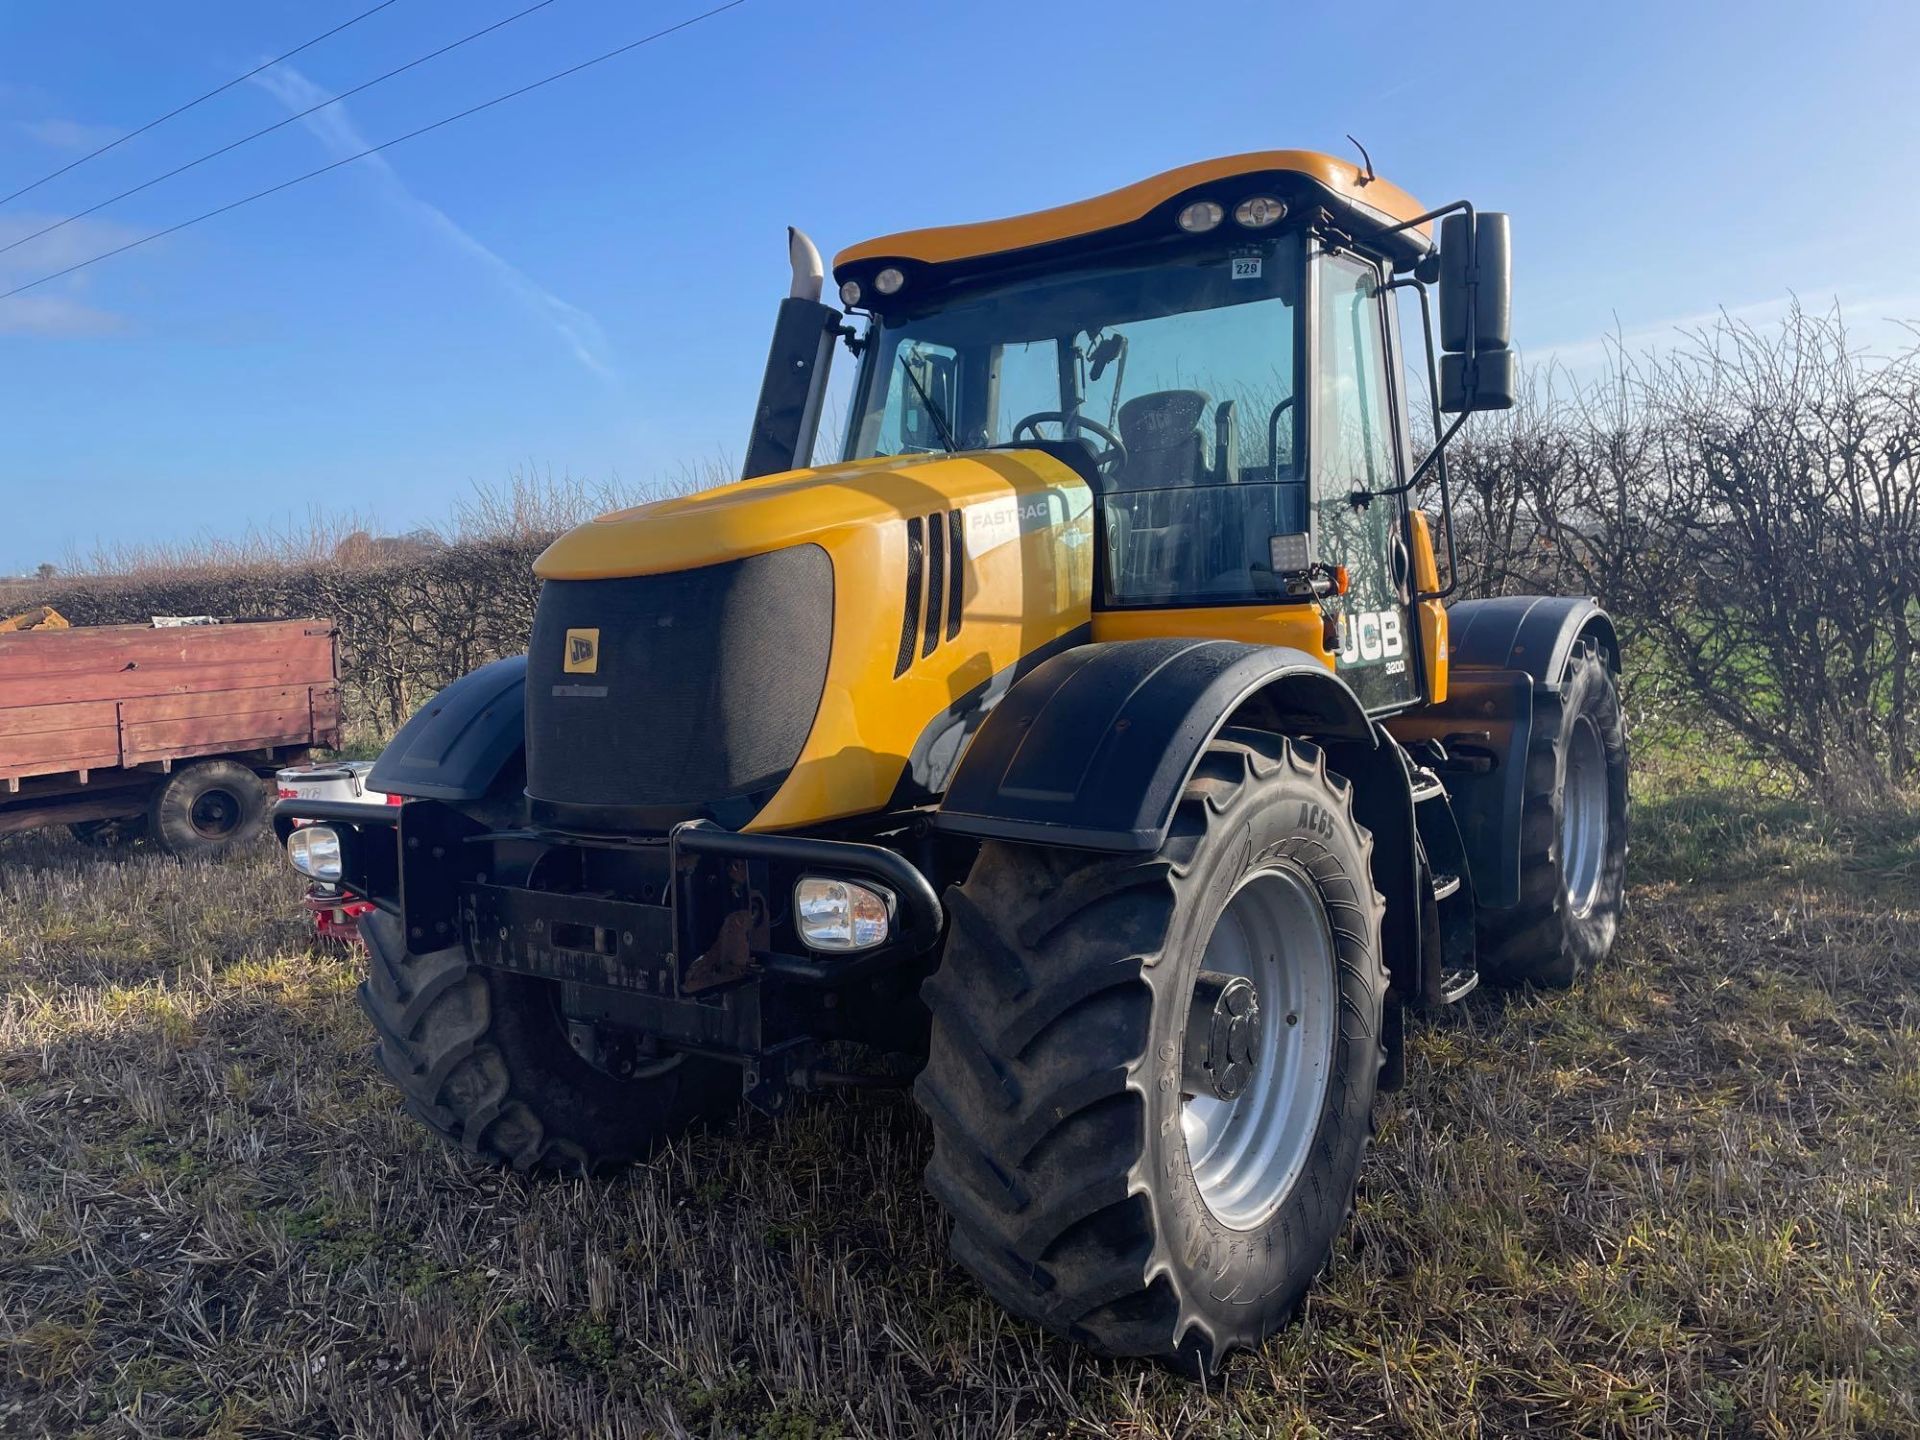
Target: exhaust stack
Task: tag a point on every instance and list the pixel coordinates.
(809, 274)
(787, 418)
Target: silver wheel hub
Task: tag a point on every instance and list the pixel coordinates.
(1583, 816)
(1259, 1046)
(1223, 1031)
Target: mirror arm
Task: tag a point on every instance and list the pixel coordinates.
(1464, 207)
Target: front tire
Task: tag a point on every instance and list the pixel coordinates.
(1100, 1182)
(1573, 837)
(481, 1057)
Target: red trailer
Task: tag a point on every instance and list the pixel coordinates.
(171, 729)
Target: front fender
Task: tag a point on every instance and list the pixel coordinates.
(1092, 749)
(459, 742)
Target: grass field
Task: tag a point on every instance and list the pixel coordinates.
(1681, 1200)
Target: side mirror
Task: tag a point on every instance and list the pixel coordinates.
(1486, 381)
(1477, 371)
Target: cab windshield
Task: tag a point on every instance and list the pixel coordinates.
(1178, 374)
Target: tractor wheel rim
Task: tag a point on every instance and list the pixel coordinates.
(1583, 816)
(1247, 1152)
(214, 814)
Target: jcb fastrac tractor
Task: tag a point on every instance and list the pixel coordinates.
(1094, 734)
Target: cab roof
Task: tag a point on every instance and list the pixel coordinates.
(1365, 203)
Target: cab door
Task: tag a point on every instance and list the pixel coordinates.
(1354, 451)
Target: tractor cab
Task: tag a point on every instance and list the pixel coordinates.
(1216, 351)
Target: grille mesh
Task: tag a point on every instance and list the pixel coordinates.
(705, 688)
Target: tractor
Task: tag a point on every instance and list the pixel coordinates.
(1093, 743)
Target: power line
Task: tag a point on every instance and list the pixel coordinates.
(182, 109)
(375, 149)
(277, 125)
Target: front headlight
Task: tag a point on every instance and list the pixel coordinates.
(838, 915)
(315, 852)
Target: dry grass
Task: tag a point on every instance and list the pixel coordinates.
(1680, 1201)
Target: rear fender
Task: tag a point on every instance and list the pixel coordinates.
(1503, 650)
(1534, 634)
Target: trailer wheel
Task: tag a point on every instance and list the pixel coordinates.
(1573, 837)
(207, 808)
(481, 1057)
(1151, 1079)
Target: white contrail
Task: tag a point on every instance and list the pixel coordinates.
(335, 129)
(1871, 320)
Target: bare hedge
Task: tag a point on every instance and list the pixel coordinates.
(1748, 507)
(412, 617)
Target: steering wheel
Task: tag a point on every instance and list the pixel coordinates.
(1113, 458)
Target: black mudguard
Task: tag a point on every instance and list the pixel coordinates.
(1501, 649)
(1093, 748)
(459, 742)
(1531, 633)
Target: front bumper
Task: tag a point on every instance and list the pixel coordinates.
(682, 918)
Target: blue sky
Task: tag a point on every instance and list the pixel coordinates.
(582, 280)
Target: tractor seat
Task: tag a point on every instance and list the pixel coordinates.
(1165, 445)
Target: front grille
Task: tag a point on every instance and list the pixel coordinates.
(687, 694)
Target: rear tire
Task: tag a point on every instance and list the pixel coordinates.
(1573, 837)
(481, 1057)
(208, 807)
(1065, 1110)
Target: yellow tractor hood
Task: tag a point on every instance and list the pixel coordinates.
(947, 572)
(795, 507)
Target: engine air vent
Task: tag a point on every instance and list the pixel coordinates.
(936, 584)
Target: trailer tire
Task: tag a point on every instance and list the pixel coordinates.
(1061, 1081)
(1573, 837)
(481, 1057)
(208, 807)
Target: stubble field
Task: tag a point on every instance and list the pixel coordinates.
(1680, 1200)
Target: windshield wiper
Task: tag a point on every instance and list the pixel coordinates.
(939, 418)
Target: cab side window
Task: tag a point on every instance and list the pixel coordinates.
(1353, 444)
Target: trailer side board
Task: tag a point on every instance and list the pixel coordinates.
(121, 695)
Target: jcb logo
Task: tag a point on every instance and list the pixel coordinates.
(1372, 635)
(583, 652)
